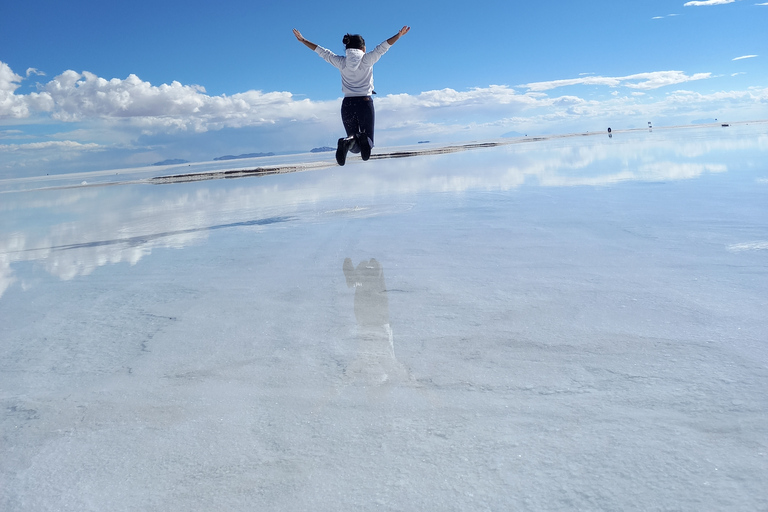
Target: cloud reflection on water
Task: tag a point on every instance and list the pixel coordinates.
(74, 231)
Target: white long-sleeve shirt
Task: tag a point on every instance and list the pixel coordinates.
(356, 68)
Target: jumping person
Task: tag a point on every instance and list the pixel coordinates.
(356, 68)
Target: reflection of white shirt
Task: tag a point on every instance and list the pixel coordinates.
(356, 68)
(371, 305)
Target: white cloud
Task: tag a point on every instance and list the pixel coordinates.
(9, 81)
(73, 97)
(134, 104)
(745, 57)
(130, 122)
(65, 145)
(78, 96)
(697, 3)
(493, 95)
(11, 105)
(138, 107)
(34, 71)
(749, 246)
(11, 134)
(645, 81)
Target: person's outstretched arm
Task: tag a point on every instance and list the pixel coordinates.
(392, 40)
(308, 44)
(324, 53)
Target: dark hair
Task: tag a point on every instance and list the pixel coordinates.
(355, 41)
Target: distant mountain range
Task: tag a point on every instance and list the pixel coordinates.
(247, 155)
(322, 149)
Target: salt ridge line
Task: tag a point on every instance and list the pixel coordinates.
(283, 169)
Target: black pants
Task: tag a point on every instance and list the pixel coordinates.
(358, 116)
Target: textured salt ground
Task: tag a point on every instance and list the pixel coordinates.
(557, 347)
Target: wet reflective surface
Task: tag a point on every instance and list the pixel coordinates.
(573, 323)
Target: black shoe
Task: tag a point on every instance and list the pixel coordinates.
(365, 145)
(341, 151)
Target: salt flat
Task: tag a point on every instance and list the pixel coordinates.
(567, 324)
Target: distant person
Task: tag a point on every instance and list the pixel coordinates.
(356, 68)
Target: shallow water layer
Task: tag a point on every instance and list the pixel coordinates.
(574, 323)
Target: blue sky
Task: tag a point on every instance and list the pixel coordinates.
(88, 85)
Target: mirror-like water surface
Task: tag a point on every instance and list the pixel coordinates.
(574, 323)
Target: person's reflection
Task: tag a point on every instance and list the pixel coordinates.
(376, 363)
